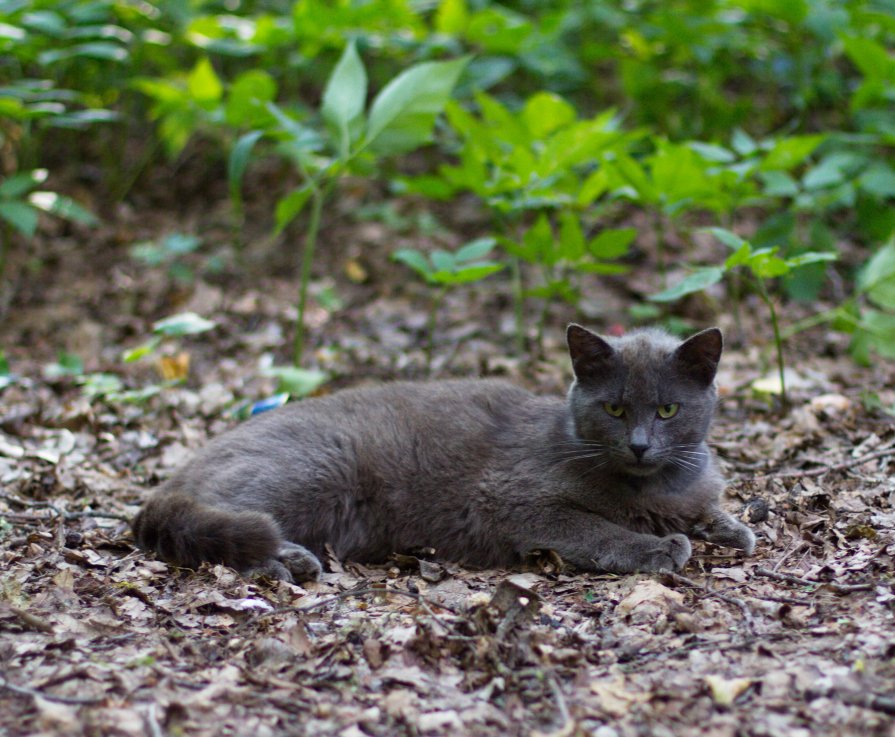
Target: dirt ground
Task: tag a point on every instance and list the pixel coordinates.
(98, 639)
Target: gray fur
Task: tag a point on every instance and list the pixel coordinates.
(480, 470)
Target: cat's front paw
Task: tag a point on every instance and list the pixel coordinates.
(670, 554)
(727, 531)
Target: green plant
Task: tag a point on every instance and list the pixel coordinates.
(400, 119)
(444, 270)
(759, 266)
(21, 202)
(536, 170)
(170, 252)
(169, 329)
(562, 260)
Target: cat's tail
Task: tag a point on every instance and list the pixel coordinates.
(185, 532)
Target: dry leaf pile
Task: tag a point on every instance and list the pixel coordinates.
(97, 639)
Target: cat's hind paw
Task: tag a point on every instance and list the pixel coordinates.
(293, 564)
(301, 563)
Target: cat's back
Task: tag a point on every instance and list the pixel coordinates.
(386, 413)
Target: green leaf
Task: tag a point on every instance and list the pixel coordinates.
(869, 56)
(20, 215)
(779, 184)
(415, 260)
(594, 186)
(141, 351)
(102, 50)
(877, 278)
(18, 184)
(67, 364)
(468, 274)
(99, 385)
(695, 282)
(61, 206)
(810, 257)
(239, 161)
(727, 237)
(442, 260)
(877, 331)
(185, 323)
(248, 98)
(612, 243)
(826, 174)
(789, 153)
(297, 382)
(629, 172)
(403, 113)
(203, 84)
(451, 17)
(766, 265)
(571, 237)
(478, 248)
(879, 180)
(289, 206)
(537, 243)
(344, 98)
(738, 257)
(545, 113)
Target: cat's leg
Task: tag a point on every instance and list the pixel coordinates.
(720, 528)
(299, 561)
(593, 543)
(292, 563)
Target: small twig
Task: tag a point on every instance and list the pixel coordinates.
(845, 465)
(838, 588)
(30, 620)
(885, 704)
(100, 515)
(347, 594)
(155, 728)
(35, 694)
(41, 504)
(738, 603)
(567, 724)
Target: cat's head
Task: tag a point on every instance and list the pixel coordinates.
(644, 402)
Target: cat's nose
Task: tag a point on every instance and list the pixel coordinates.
(638, 449)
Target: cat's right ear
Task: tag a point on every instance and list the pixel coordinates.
(589, 352)
(699, 355)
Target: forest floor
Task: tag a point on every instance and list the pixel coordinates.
(96, 638)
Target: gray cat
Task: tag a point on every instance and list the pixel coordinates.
(613, 478)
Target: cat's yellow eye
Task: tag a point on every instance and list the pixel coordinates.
(667, 411)
(616, 410)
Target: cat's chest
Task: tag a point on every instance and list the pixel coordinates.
(653, 508)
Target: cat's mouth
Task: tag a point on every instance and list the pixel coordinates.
(642, 467)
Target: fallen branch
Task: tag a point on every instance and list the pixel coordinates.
(30, 620)
(569, 725)
(738, 603)
(839, 588)
(40, 504)
(35, 694)
(844, 466)
(347, 594)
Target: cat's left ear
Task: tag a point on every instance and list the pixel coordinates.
(699, 355)
(589, 352)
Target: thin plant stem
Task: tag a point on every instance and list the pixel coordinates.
(307, 260)
(778, 340)
(430, 327)
(660, 248)
(5, 239)
(518, 303)
(813, 321)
